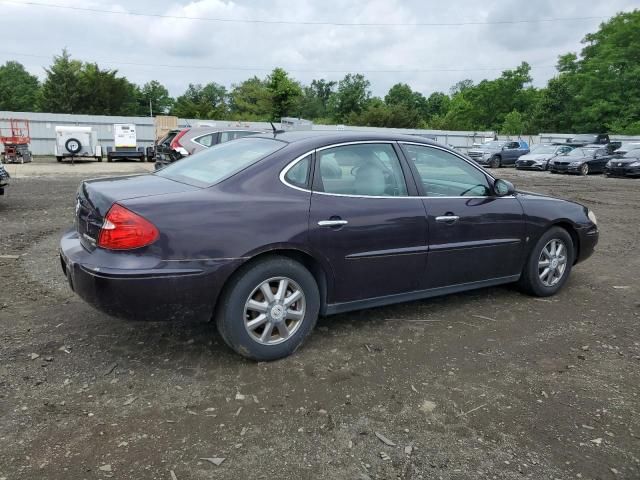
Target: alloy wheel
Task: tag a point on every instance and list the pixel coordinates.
(584, 169)
(274, 311)
(552, 262)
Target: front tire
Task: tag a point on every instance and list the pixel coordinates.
(584, 169)
(495, 162)
(549, 264)
(268, 309)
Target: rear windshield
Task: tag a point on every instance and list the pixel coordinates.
(221, 161)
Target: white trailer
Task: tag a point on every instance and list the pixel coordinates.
(125, 143)
(77, 142)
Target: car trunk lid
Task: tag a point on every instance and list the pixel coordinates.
(95, 197)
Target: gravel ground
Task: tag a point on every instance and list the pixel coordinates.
(487, 384)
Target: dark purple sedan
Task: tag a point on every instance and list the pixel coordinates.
(265, 233)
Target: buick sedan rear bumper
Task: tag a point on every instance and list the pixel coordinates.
(169, 291)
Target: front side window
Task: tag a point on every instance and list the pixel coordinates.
(220, 161)
(371, 170)
(228, 136)
(443, 174)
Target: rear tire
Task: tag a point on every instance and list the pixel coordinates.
(542, 258)
(243, 302)
(58, 159)
(109, 158)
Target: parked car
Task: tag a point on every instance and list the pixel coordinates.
(540, 155)
(626, 166)
(193, 140)
(4, 178)
(626, 147)
(497, 153)
(588, 139)
(260, 235)
(162, 148)
(581, 160)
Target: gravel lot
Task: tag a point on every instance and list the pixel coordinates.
(488, 384)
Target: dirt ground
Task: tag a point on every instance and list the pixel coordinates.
(489, 384)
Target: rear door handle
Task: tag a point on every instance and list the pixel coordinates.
(332, 223)
(447, 219)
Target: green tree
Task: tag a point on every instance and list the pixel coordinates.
(251, 100)
(315, 99)
(437, 104)
(285, 94)
(514, 123)
(156, 95)
(60, 92)
(352, 96)
(103, 92)
(205, 102)
(18, 88)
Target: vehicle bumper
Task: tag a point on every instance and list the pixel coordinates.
(167, 291)
(623, 171)
(564, 169)
(125, 154)
(587, 240)
(531, 167)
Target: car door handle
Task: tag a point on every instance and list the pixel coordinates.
(332, 223)
(447, 219)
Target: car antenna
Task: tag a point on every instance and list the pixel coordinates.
(275, 130)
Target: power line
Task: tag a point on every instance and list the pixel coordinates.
(290, 68)
(299, 22)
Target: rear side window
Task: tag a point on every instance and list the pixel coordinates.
(228, 136)
(299, 174)
(220, 161)
(370, 170)
(206, 140)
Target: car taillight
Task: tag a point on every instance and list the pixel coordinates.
(175, 143)
(124, 230)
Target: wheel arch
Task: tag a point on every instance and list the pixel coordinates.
(571, 230)
(321, 273)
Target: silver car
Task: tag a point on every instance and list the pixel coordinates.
(195, 139)
(540, 156)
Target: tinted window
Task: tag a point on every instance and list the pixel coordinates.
(443, 174)
(206, 140)
(299, 174)
(220, 161)
(364, 170)
(227, 136)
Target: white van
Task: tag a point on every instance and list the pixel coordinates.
(77, 142)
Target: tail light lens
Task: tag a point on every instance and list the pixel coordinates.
(124, 230)
(175, 143)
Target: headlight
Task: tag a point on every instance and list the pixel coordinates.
(576, 164)
(635, 164)
(592, 217)
(608, 164)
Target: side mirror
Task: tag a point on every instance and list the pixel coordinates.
(502, 188)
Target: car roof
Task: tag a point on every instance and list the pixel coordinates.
(328, 137)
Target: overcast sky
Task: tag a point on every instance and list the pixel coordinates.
(182, 51)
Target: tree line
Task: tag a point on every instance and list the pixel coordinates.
(597, 90)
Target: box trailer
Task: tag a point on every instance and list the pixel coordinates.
(125, 143)
(77, 142)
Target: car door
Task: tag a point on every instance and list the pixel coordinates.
(600, 159)
(474, 235)
(365, 223)
(512, 153)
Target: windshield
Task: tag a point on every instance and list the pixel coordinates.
(493, 145)
(581, 152)
(221, 161)
(632, 153)
(543, 149)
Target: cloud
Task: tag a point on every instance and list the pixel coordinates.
(228, 53)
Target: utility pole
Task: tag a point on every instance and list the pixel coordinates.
(150, 109)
